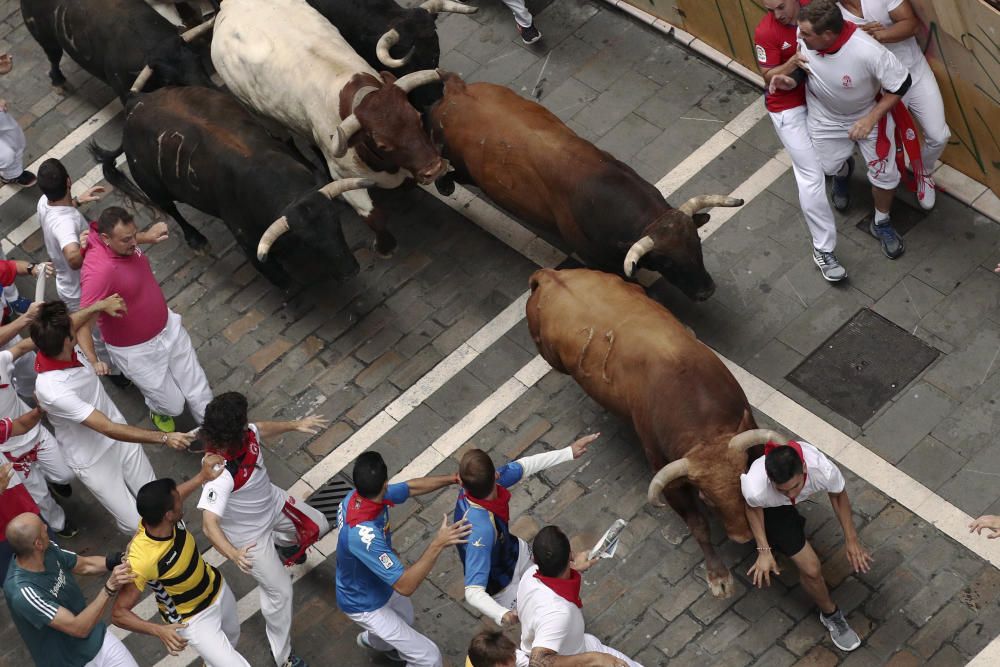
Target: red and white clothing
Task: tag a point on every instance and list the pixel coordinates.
(253, 510)
(148, 343)
(113, 471)
(841, 89)
(774, 44)
(553, 619)
(923, 99)
(24, 367)
(12, 145)
(822, 476)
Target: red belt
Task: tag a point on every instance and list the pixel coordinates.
(22, 463)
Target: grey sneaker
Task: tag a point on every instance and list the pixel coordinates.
(841, 633)
(391, 655)
(829, 266)
(892, 244)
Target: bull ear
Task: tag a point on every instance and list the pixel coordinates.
(388, 77)
(700, 219)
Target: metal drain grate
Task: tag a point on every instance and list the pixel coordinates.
(862, 366)
(327, 497)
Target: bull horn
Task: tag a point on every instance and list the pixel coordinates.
(197, 31)
(340, 186)
(142, 79)
(386, 42)
(417, 79)
(635, 253)
(347, 129)
(758, 436)
(695, 204)
(271, 234)
(439, 6)
(667, 474)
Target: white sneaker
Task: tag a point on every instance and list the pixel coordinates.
(926, 191)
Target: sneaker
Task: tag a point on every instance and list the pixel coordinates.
(287, 552)
(120, 380)
(163, 422)
(841, 194)
(391, 655)
(20, 305)
(61, 490)
(25, 180)
(294, 661)
(841, 633)
(68, 530)
(529, 35)
(829, 266)
(892, 244)
(926, 191)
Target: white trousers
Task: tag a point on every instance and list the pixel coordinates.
(115, 478)
(521, 14)
(592, 644)
(12, 145)
(923, 99)
(833, 146)
(24, 371)
(391, 627)
(214, 632)
(112, 654)
(50, 467)
(166, 370)
(791, 127)
(73, 305)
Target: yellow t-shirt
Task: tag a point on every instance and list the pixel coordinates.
(183, 582)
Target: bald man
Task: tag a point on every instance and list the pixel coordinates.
(47, 606)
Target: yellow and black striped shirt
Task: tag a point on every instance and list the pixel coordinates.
(184, 584)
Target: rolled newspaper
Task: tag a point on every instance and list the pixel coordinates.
(608, 544)
(40, 282)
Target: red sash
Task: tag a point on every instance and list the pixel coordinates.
(499, 506)
(44, 364)
(305, 529)
(22, 463)
(241, 464)
(567, 589)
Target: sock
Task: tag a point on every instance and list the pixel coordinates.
(831, 614)
(880, 217)
(842, 172)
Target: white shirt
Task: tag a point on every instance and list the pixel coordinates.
(908, 51)
(822, 476)
(61, 226)
(12, 406)
(841, 87)
(70, 396)
(247, 514)
(548, 620)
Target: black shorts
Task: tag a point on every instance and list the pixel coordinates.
(785, 529)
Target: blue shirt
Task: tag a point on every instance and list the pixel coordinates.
(490, 556)
(367, 567)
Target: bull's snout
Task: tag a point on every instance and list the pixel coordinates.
(433, 171)
(705, 292)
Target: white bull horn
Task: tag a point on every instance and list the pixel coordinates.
(758, 436)
(438, 6)
(271, 234)
(701, 202)
(340, 186)
(417, 79)
(347, 129)
(386, 42)
(635, 253)
(197, 31)
(668, 473)
(142, 79)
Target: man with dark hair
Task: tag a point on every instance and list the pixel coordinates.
(148, 343)
(86, 421)
(47, 606)
(774, 484)
(373, 587)
(549, 606)
(493, 559)
(249, 520)
(196, 604)
(491, 648)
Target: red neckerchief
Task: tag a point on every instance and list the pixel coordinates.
(361, 509)
(44, 363)
(567, 589)
(838, 43)
(771, 446)
(499, 506)
(241, 464)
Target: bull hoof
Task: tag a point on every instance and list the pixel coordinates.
(63, 88)
(199, 244)
(445, 185)
(721, 586)
(385, 249)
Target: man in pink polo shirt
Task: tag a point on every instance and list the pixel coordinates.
(147, 343)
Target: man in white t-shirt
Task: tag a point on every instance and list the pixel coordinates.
(249, 520)
(774, 484)
(894, 24)
(88, 424)
(549, 606)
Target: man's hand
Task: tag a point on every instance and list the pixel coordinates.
(114, 305)
(172, 641)
(212, 466)
(858, 556)
(781, 82)
(862, 128)
(244, 559)
(43, 266)
(121, 575)
(580, 446)
(101, 368)
(872, 27)
(157, 232)
(799, 60)
(92, 194)
(452, 533)
(580, 562)
(986, 522)
(6, 65)
(177, 440)
(31, 314)
(6, 474)
(509, 620)
(761, 571)
(84, 237)
(311, 424)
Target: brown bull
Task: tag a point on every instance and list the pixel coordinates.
(530, 163)
(638, 361)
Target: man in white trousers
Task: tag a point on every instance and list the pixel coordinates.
(197, 606)
(148, 343)
(494, 560)
(12, 141)
(775, 48)
(373, 586)
(251, 521)
(894, 24)
(10, 333)
(86, 421)
(524, 21)
(549, 606)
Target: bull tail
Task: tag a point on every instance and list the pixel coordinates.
(113, 175)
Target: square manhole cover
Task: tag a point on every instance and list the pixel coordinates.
(861, 366)
(904, 218)
(327, 497)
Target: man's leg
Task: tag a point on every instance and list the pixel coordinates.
(136, 469)
(105, 478)
(521, 14)
(284, 533)
(112, 654)
(390, 628)
(206, 632)
(811, 578)
(34, 482)
(884, 177)
(12, 145)
(594, 645)
(275, 597)
(146, 365)
(51, 459)
(186, 370)
(924, 101)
